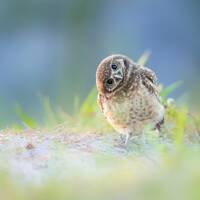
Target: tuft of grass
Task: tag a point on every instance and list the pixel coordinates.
(89, 105)
(26, 120)
(51, 118)
(166, 91)
(144, 58)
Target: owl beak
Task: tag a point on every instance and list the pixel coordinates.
(118, 74)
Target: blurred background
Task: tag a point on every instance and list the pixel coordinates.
(52, 48)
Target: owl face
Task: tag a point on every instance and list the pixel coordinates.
(111, 73)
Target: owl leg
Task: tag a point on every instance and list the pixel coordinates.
(159, 128)
(159, 125)
(125, 138)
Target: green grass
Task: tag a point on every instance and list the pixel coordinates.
(76, 156)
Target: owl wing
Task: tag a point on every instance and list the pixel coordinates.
(150, 75)
(149, 80)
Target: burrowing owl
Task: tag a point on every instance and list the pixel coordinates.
(128, 95)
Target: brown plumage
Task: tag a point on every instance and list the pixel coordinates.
(128, 95)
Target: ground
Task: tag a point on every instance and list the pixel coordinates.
(33, 154)
(59, 164)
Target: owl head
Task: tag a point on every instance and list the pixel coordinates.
(112, 73)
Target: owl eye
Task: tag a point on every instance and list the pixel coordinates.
(110, 81)
(114, 67)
